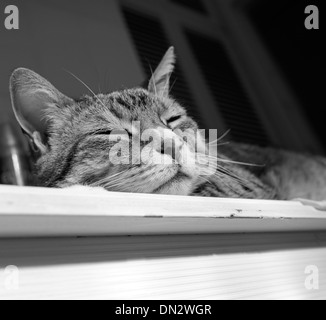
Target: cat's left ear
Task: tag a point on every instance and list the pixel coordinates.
(160, 81)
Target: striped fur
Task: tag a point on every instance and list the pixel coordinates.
(74, 146)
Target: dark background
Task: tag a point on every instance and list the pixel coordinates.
(299, 52)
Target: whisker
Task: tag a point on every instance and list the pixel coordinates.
(231, 186)
(229, 161)
(173, 84)
(153, 78)
(166, 85)
(219, 144)
(107, 80)
(206, 180)
(226, 172)
(234, 178)
(216, 143)
(109, 178)
(86, 86)
(222, 137)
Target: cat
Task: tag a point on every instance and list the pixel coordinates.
(73, 139)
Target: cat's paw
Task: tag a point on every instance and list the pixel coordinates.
(319, 205)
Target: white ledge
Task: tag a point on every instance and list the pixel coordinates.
(41, 212)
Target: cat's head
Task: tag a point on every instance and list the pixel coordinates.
(134, 140)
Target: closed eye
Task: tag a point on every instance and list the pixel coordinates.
(114, 132)
(173, 119)
(102, 132)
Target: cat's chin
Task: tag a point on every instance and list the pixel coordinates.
(180, 185)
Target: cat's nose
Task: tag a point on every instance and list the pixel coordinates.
(171, 144)
(172, 151)
(171, 148)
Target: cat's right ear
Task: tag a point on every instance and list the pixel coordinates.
(31, 96)
(160, 81)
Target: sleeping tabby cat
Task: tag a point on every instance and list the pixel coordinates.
(74, 140)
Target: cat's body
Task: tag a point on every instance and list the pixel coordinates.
(75, 140)
(283, 175)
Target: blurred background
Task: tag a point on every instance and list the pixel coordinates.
(245, 65)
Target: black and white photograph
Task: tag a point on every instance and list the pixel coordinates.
(162, 154)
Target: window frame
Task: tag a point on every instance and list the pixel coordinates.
(78, 211)
(226, 21)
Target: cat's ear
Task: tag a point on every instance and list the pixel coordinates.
(31, 96)
(160, 81)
